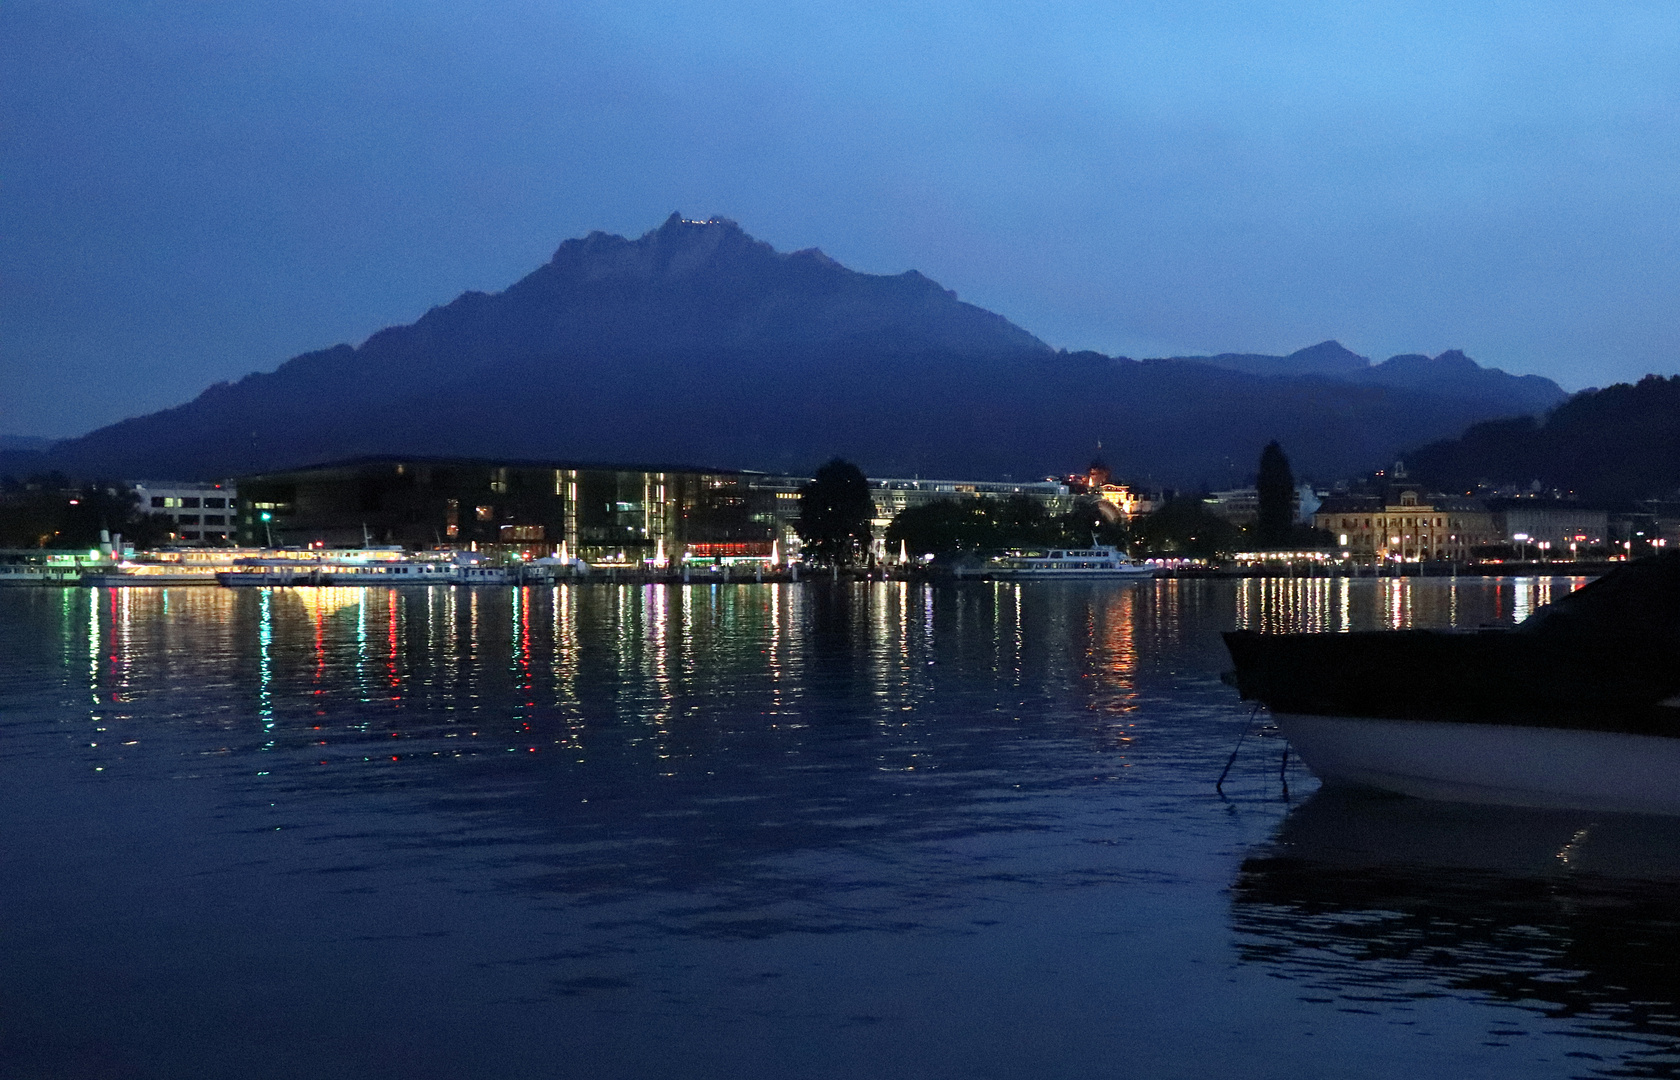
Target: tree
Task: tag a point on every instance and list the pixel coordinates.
(1184, 528)
(941, 527)
(56, 512)
(1276, 488)
(835, 509)
(946, 526)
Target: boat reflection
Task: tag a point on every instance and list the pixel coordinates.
(1569, 920)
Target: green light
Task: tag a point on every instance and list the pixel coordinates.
(266, 516)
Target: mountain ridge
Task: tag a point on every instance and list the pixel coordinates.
(1451, 371)
(697, 342)
(1608, 447)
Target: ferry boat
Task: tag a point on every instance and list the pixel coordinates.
(33, 573)
(1577, 707)
(387, 572)
(1070, 564)
(184, 566)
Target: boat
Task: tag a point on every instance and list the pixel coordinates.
(551, 569)
(39, 573)
(1065, 564)
(181, 566)
(131, 574)
(378, 570)
(1577, 707)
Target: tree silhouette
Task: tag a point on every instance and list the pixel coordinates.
(1276, 488)
(1184, 528)
(834, 514)
(949, 525)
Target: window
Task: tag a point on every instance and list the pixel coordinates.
(189, 536)
(215, 504)
(215, 519)
(190, 503)
(186, 519)
(157, 500)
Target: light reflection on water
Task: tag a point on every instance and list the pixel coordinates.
(814, 830)
(1282, 605)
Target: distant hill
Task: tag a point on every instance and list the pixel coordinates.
(1607, 446)
(1451, 374)
(697, 344)
(25, 443)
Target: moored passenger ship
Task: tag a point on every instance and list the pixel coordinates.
(1099, 561)
(388, 572)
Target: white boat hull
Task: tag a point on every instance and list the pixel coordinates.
(1064, 564)
(1128, 573)
(1491, 763)
(121, 580)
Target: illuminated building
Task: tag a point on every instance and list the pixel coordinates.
(893, 496)
(604, 514)
(199, 514)
(1116, 502)
(1241, 506)
(1553, 522)
(1405, 525)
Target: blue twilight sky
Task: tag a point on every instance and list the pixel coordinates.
(190, 191)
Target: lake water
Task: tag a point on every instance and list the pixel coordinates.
(813, 830)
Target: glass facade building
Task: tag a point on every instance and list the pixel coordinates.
(604, 514)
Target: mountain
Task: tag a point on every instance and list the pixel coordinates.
(697, 344)
(1328, 358)
(25, 443)
(1607, 446)
(1452, 374)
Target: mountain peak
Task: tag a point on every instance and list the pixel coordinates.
(1452, 372)
(1327, 357)
(707, 286)
(695, 341)
(676, 223)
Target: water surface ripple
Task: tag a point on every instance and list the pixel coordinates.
(807, 830)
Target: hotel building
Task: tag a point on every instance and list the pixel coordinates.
(1406, 526)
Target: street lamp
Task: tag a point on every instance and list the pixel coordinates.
(1522, 541)
(267, 518)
